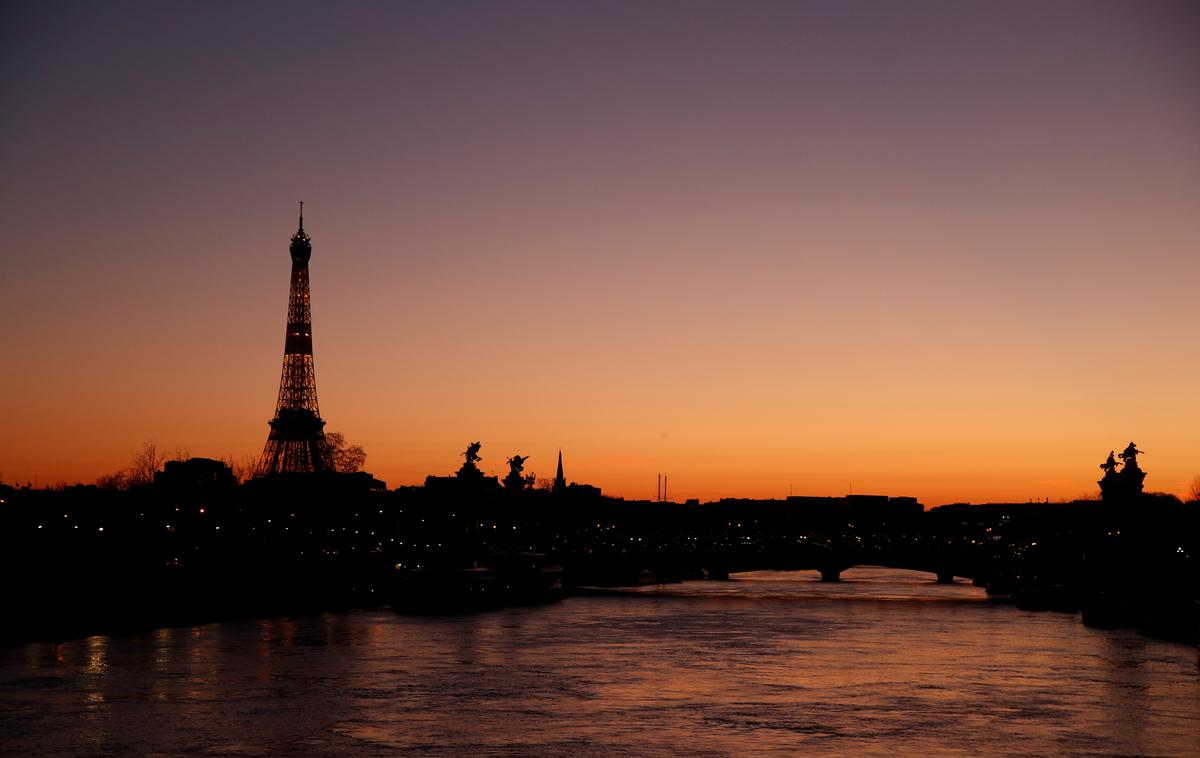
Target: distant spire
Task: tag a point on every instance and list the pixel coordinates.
(301, 215)
(560, 482)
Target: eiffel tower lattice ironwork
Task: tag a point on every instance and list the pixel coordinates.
(297, 441)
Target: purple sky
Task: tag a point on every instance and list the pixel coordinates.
(947, 249)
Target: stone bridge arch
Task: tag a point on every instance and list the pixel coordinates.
(827, 561)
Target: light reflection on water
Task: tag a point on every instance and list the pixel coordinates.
(884, 663)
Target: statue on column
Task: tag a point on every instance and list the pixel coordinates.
(471, 455)
(1110, 483)
(1125, 484)
(1131, 474)
(515, 481)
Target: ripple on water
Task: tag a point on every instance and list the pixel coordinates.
(884, 663)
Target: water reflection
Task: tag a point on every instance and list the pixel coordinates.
(163, 649)
(97, 648)
(771, 664)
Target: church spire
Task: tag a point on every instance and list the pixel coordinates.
(560, 483)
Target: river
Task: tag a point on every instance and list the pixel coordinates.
(884, 663)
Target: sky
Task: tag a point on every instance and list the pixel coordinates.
(940, 249)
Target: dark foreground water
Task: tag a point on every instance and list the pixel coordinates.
(885, 663)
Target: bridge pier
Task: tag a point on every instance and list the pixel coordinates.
(944, 577)
(831, 575)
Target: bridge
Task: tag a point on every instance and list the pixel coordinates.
(829, 562)
(609, 542)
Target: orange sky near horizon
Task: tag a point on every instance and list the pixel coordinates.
(940, 251)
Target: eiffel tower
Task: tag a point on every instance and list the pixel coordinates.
(297, 441)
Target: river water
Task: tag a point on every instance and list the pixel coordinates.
(885, 663)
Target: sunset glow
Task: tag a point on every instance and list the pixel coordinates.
(800, 249)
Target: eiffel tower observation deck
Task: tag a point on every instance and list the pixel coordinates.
(297, 441)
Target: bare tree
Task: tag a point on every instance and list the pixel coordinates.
(1194, 491)
(145, 464)
(346, 458)
(243, 468)
(140, 472)
(115, 481)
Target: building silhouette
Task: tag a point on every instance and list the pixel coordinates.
(196, 475)
(296, 443)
